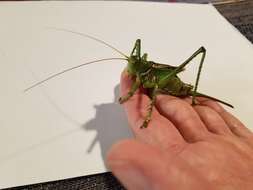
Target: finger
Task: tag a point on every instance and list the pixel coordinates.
(134, 169)
(160, 131)
(210, 118)
(213, 121)
(152, 169)
(189, 100)
(235, 125)
(183, 116)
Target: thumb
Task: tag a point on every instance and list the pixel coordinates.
(137, 165)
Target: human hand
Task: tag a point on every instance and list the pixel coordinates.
(184, 147)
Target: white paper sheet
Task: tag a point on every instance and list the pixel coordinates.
(64, 127)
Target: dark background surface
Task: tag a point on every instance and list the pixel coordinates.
(240, 14)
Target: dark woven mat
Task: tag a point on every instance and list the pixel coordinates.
(104, 181)
(240, 14)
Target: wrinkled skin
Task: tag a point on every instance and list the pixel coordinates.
(184, 147)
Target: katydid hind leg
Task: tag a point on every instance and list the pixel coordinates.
(194, 93)
(198, 75)
(137, 49)
(180, 67)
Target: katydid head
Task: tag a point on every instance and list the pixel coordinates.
(144, 57)
(137, 64)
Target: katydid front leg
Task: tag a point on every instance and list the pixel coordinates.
(133, 89)
(150, 108)
(135, 52)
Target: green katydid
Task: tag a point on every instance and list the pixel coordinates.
(155, 77)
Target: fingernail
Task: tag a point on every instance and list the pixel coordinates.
(131, 176)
